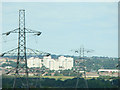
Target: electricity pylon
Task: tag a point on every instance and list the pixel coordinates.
(80, 63)
(22, 51)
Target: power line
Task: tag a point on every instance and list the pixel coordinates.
(81, 51)
(22, 51)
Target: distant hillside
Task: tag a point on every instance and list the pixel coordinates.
(92, 63)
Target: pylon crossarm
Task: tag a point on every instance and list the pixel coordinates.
(88, 50)
(85, 50)
(75, 50)
(37, 52)
(32, 31)
(13, 31)
(13, 51)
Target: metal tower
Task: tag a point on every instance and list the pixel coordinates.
(80, 63)
(22, 50)
(22, 45)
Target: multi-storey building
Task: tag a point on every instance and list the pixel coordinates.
(62, 63)
(65, 62)
(34, 62)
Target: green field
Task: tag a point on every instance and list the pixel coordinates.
(59, 77)
(59, 81)
(54, 77)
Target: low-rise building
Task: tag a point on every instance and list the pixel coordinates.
(108, 70)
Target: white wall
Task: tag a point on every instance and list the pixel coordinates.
(62, 63)
(34, 62)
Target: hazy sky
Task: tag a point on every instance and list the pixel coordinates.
(65, 26)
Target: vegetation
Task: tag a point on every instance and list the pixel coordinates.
(57, 83)
(66, 78)
(62, 78)
(91, 63)
(95, 63)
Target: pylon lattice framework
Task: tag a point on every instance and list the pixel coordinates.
(21, 49)
(81, 65)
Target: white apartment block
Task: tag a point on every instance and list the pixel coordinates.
(62, 63)
(34, 62)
